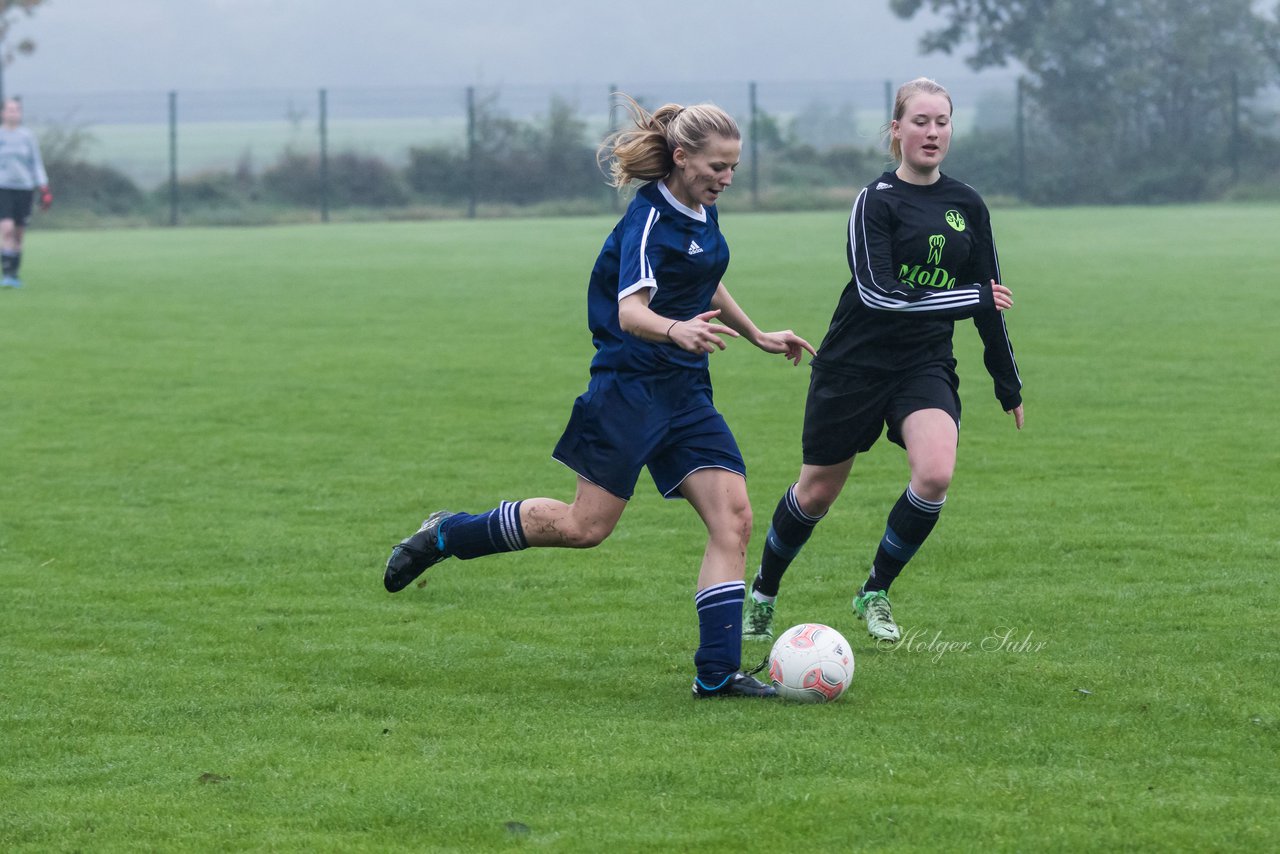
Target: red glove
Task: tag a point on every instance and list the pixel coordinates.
(46, 198)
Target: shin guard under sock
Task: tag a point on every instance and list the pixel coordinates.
(910, 521)
(789, 531)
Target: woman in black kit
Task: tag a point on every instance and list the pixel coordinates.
(922, 256)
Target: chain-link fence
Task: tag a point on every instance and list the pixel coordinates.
(432, 151)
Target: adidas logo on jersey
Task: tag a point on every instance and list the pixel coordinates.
(694, 248)
(883, 186)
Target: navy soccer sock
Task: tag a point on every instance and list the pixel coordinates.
(9, 262)
(789, 531)
(465, 536)
(719, 652)
(910, 521)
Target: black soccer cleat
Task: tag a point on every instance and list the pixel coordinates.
(736, 685)
(415, 554)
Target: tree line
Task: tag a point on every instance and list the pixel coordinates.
(1127, 100)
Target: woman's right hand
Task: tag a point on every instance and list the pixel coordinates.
(699, 334)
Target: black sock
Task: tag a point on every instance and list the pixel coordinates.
(910, 521)
(788, 533)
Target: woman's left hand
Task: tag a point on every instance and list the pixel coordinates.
(1016, 412)
(786, 342)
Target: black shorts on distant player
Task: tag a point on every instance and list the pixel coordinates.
(16, 205)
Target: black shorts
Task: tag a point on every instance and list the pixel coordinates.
(16, 205)
(844, 415)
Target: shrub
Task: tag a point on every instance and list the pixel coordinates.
(438, 173)
(87, 186)
(213, 190)
(354, 180)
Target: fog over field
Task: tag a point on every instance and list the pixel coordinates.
(248, 44)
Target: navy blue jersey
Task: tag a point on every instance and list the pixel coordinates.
(922, 257)
(675, 252)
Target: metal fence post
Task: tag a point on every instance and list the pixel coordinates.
(173, 158)
(1020, 168)
(1235, 127)
(614, 199)
(324, 155)
(472, 174)
(755, 145)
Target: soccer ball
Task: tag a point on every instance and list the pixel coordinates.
(811, 663)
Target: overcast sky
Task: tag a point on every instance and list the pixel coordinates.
(159, 45)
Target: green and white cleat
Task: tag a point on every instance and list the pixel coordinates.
(874, 607)
(757, 620)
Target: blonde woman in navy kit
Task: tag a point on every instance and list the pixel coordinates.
(654, 291)
(922, 256)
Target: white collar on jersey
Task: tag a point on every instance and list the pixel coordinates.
(700, 216)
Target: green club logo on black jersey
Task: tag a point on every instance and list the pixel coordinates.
(936, 242)
(955, 219)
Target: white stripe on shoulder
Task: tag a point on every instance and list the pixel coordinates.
(646, 272)
(858, 237)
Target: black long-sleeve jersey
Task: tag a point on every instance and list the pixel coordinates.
(922, 257)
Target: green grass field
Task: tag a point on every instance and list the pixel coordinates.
(212, 438)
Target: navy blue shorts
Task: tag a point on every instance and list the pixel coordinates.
(844, 415)
(626, 421)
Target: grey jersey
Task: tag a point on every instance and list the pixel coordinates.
(20, 165)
